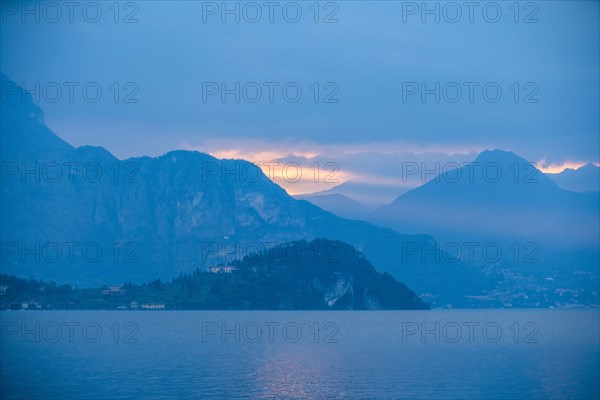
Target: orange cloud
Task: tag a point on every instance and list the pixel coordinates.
(556, 168)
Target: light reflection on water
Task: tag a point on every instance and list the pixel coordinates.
(365, 356)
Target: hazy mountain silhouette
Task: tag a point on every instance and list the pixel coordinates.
(156, 217)
(370, 195)
(339, 205)
(499, 196)
(544, 239)
(583, 179)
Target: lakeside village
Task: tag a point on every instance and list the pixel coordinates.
(106, 291)
(49, 296)
(515, 291)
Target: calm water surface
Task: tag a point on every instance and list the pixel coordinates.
(440, 354)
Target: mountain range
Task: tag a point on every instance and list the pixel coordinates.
(356, 200)
(84, 217)
(582, 179)
(500, 196)
(367, 195)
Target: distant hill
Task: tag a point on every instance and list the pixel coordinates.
(339, 205)
(500, 196)
(583, 179)
(540, 243)
(370, 195)
(320, 275)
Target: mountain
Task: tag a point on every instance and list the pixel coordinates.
(370, 195)
(500, 196)
(583, 179)
(338, 204)
(538, 241)
(82, 216)
(323, 275)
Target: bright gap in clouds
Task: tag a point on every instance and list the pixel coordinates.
(297, 173)
(556, 168)
(304, 168)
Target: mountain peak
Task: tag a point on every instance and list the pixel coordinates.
(588, 167)
(502, 157)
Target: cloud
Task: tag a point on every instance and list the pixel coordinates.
(556, 168)
(313, 167)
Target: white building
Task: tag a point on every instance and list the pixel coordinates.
(153, 306)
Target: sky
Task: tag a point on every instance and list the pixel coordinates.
(362, 85)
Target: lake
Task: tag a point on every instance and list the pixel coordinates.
(438, 354)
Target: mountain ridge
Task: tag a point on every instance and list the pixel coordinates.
(583, 179)
(500, 195)
(156, 217)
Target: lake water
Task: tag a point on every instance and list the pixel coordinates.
(439, 354)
